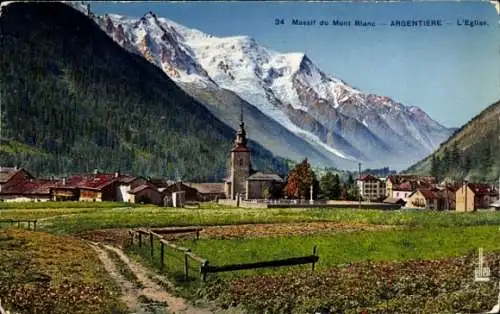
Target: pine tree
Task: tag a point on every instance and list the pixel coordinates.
(435, 167)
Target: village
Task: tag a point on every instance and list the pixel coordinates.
(246, 187)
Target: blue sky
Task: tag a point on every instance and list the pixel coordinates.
(452, 72)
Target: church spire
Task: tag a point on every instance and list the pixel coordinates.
(241, 140)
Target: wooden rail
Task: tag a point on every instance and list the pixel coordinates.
(205, 267)
(177, 230)
(13, 222)
(276, 263)
(167, 244)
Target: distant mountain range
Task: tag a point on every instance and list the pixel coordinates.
(294, 109)
(73, 100)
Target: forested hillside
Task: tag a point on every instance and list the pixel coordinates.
(74, 100)
(473, 151)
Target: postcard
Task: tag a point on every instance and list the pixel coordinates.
(250, 157)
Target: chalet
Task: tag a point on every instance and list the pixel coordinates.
(190, 193)
(94, 187)
(126, 184)
(146, 193)
(473, 196)
(13, 175)
(371, 188)
(208, 191)
(29, 190)
(423, 198)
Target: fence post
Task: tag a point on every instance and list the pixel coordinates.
(140, 239)
(315, 253)
(186, 265)
(197, 234)
(18, 224)
(34, 225)
(11, 223)
(203, 273)
(161, 255)
(151, 244)
(131, 233)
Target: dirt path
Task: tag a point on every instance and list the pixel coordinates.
(129, 294)
(149, 290)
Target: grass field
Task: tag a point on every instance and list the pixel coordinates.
(77, 219)
(43, 273)
(434, 237)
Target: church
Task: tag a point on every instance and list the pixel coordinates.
(242, 180)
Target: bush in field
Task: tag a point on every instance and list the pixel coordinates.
(440, 286)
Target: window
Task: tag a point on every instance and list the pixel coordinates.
(241, 162)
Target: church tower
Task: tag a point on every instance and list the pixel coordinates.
(240, 161)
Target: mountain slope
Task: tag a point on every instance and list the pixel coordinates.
(225, 104)
(288, 88)
(472, 151)
(74, 100)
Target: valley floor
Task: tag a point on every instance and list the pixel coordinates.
(370, 261)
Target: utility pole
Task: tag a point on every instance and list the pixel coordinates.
(359, 188)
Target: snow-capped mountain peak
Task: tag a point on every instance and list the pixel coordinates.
(287, 87)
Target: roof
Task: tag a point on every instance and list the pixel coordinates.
(208, 188)
(30, 186)
(481, 189)
(400, 178)
(95, 181)
(411, 184)
(126, 179)
(367, 177)
(6, 173)
(261, 176)
(392, 200)
(159, 182)
(428, 194)
(142, 187)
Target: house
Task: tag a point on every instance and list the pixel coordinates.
(393, 183)
(93, 187)
(126, 184)
(29, 190)
(391, 200)
(403, 190)
(401, 186)
(447, 197)
(13, 175)
(370, 187)
(208, 191)
(472, 196)
(146, 194)
(262, 185)
(423, 198)
(190, 193)
(239, 181)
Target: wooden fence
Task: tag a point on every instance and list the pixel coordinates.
(19, 223)
(204, 267)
